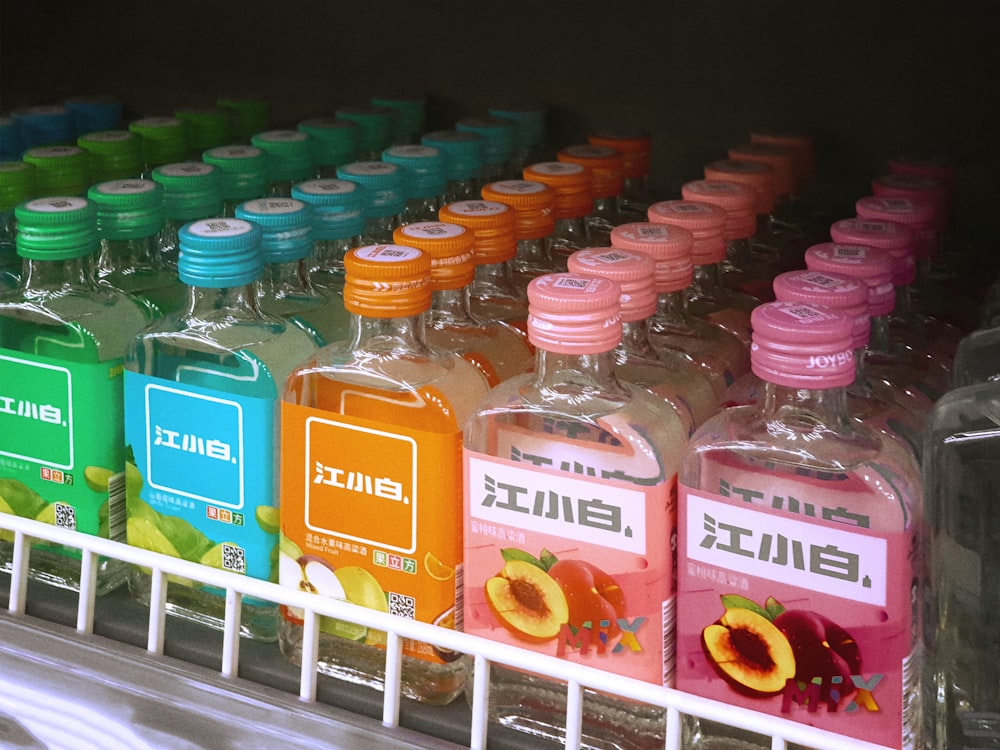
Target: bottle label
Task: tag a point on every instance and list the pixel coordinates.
(61, 455)
(202, 483)
(371, 515)
(568, 545)
(797, 597)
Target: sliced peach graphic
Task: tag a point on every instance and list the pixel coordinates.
(527, 601)
(750, 651)
(822, 650)
(592, 595)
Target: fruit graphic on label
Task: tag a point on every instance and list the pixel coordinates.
(823, 651)
(446, 620)
(527, 601)
(6, 535)
(267, 518)
(47, 514)
(360, 587)
(437, 569)
(594, 598)
(20, 498)
(97, 477)
(749, 650)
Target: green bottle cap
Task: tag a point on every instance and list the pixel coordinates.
(114, 154)
(220, 253)
(17, 183)
(60, 170)
(335, 141)
(164, 140)
(378, 125)
(56, 228)
(207, 127)
(127, 209)
(246, 116)
(191, 190)
(242, 170)
(411, 114)
(290, 154)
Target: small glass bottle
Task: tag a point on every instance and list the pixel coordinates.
(206, 127)
(60, 170)
(498, 146)
(129, 222)
(201, 388)
(532, 203)
(46, 125)
(498, 350)
(380, 404)
(797, 563)
(463, 161)
(247, 115)
(530, 134)
(411, 116)
(425, 180)
(17, 185)
(635, 146)
(290, 159)
(977, 358)
(678, 381)
(376, 128)
(243, 174)
(95, 113)
(570, 519)
(574, 200)
(384, 188)
(63, 339)
(607, 170)
(335, 143)
(164, 141)
(114, 154)
(191, 190)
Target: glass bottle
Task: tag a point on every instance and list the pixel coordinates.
(380, 403)
(290, 159)
(114, 154)
(463, 161)
(206, 127)
(425, 180)
(411, 116)
(586, 576)
(383, 186)
(17, 185)
(164, 141)
(201, 392)
(63, 339)
(129, 222)
(498, 350)
(335, 143)
(498, 146)
(376, 128)
(191, 190)
(60, 170)
(678, 381)
(607, 170)
(530, 135)
(243, 174)
(798, 539)
(635, 146)
(45, 125)
(247, 115)
(338, 223)
(707, 297)
(95, 113)
(532, 203)
(574, 200)
(977, 358)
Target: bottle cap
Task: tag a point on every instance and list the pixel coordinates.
(668, 245)
(606, 165)
(463, 152)
(528, 119)
(60, 170)
(632, 271)
(532, 203)
(376, 125)
(219, 253)
(242, 170)
(874, 265)
(802, 146)
(46, 125)
(498, 137)
(574, 314)
(127, 209)
(449, 247)
(191, 190)
(917, 214)
(338, 207)
(801, 345)
(491, 224)
(757, 175)
(335, 141)
(935, 166)
(383, 186)
(56, 228)
(17, 183)
(837, 290)
(164, 139)
(424, 167)
(290, 154)
(411, 114)
(897, 239)
(781, 159)
(925, 187)
(704, 221)
(93, 113)
(286, 226)
(735, 198)
(246, 116)
(11, 142)
(207, 127)
(635, 146)
(387, 281)
(114, 154)
(571, 183)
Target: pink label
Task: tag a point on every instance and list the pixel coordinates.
(796, 597)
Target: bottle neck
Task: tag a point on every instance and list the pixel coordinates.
(672, 307)
(880, 339)
(421, 209)
(233, 303)
(389, 337)
(379, 229)
(533, 253)
(328, 255)
(904, 301)
(492, 280)
(286, 278)
(635, 339)
(574, 375)
(790, 410)
(707, 282)
(40, 278)
(461, 190)
(452, 306)
(125, 255)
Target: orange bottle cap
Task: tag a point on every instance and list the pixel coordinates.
(532, 203)
(780, 158)
(387, 281)
(635, 146)
(449, 247)
(572, 183)
(492, 226)
(605, 163)
(802, 145)
(758, 175)
(735, 198)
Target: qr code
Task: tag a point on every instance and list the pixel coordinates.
(65, 516)
(234, 558)
(403, 606)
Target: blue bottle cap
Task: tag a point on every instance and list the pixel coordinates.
(463, 152)
(286, 224)
(46, 125)
(497, 133)
(529, 123)
(338, 207)
(424, 167)
(220, 253)
(384, 186)
(93, 113)
(11, 142)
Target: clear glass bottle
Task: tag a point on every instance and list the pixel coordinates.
(206, 127)
(384, 188)
(338, 223)
(532, 203)
(463, 161)
(530, 131)
(192, 190)
(678, 381)
(164, 141)
(797, 561)
(247, 115)
(574, 200)
(635, 146)
(243, 174)
(499, 351)
(114, 154)
(63, 339)
(381, 404)
(376, 128)
(60, 170)
(584, 571)
(411, 116)
(92, 113)
(977, 358)
(425, 180)
(290, 159)
(607, 170)
(129, 222)
(17, 185)
(498, 146)
(46, 125)
(335, 143)
(201, 393)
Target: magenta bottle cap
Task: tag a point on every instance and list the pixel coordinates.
(802, 345)
(669, 246)
(735, 198)
(837, 290)
(705, 221)
(903, 185)
(573, 314)
(871, 264)
(916, 213)
(897, 239)
(631, 270)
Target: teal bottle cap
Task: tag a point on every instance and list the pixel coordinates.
(17, 183)
(528, 119)
(290, 154)
(98, 112)
(335, 141)
(242, 170)
(114, 154)
(191, 190)
(384, 186)
(424, 167)
(60, 170)
(46, 125)
(56, 228)
(207, 127)
(411, 113)
(497, 133)
(463, 152)
(127, 209)
(286, 224)
(338, 207)
(164, 139)
(247, 116)
(11, 143)
(377, 124)
(219, 253)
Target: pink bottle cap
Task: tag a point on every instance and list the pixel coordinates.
(837, 290)
(669, 246)
(916, 213)
(891, 236)
(871, 264)
(801, 345)
(902, 185)
(933, 165)
(704, 221)
(735, 198)
(780, 158)
(574, 314)
(631, 270)
(757, 175)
